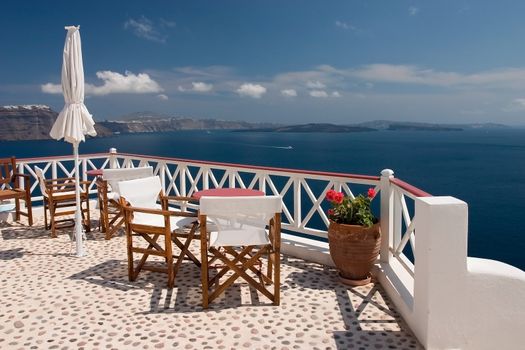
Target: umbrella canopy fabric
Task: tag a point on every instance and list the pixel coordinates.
(74, 121)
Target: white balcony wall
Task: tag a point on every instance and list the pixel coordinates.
(456, 302)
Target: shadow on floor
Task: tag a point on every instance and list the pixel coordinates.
(11, 254)
(370, 320)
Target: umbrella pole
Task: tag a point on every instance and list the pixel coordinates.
(78, 215)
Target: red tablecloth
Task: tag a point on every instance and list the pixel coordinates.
(94, 172)
(227, 192)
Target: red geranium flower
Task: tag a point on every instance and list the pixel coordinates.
(330, 195)
(330, 212)
(371, 193)
(338, 197)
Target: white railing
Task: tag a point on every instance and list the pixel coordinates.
(404, 223)
(303, 192)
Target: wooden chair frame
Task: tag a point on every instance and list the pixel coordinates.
(10, 188)
(60, 194)
(152, 233)
(111, 212)
(240, 262)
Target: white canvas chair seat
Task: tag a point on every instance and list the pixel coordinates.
(111, 218)
(145, 218)
(238, 238)
(176, 223)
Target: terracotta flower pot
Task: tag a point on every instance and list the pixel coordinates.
(354, 250)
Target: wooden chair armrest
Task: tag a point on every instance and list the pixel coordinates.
(25, 176)
(27, 181)
(60, 185)
(180, 199)
(61, 179)
(56, 183)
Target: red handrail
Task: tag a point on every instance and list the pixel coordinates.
(398, 182)
(258, 167)
(409, 188)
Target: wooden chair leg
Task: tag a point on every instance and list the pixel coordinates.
(88, 217)
(46, 208)
(204, 262)
(17, 209)
(52, 219)
(29, 208)
(169, 260)
(129, 239)
(277, 278)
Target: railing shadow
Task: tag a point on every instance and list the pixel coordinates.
(369, 318)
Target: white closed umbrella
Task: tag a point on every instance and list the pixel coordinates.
(74, 121)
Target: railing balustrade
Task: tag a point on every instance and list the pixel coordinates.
(303, 192)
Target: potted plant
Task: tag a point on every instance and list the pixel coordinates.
(354, 236)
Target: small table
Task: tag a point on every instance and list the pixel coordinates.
(227, 192)
(95, 172)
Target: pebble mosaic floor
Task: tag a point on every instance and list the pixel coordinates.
(52, 300)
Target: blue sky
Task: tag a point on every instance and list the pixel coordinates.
(277, 61)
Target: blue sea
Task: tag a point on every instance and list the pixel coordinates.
(485, 168)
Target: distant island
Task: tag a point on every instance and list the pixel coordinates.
(33, 122)
(312, 127)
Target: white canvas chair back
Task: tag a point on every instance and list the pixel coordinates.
(141, 192)
(114, 176)
(239, 221)
(41, 180)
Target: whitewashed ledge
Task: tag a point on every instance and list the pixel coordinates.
(51, 300)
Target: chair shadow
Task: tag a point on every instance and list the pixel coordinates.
(11, 254)
(16, 231)
(185, 297)
(366, 319)
(110, 274)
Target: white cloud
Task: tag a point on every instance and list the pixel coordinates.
(289, 92)
(318, 93)
(50, 88)
(167, 23)
(344, 25)
(518, 104)
(162, 97)
(406, 74)
(145, 28)
(201, 87)
(315, 85)
(336, 94)
(196, 87)
(114, 83)
(412, 10)
(251, 90)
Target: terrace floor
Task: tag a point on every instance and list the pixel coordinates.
(52, 300)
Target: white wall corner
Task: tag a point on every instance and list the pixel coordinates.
(440, 271)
